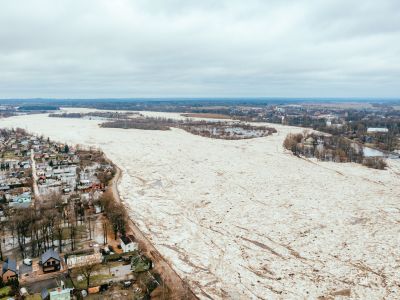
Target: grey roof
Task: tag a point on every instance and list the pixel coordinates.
(4, 187)
(126, 240)
(10, 264)
(45, 293)
(50, 254)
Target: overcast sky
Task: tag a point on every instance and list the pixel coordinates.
(199, 48)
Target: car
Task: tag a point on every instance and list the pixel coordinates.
(27, 262)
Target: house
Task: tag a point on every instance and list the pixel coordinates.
(50, 261)
(4, 187)
(309, 142)
(23, 200)
(9, 270)
(11, 163)
(58, 293)
(61, 294)
(92, 256)
(377, 130)
(128, 244)
(25, 164)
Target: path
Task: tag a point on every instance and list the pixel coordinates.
(34, 177)
(179, 288)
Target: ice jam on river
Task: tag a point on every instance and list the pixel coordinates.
(248, 220)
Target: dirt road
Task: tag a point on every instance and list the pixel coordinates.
(180, 290)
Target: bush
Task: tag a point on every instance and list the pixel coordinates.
(375, 163)
(292, 142)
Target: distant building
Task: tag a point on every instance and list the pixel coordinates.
(9, 270)
(377, 130)
(50, 261)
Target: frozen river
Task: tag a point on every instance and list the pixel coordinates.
(247, 220)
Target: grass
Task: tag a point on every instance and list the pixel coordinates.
(95, 280)
(4, 292)
(99, 279)
(9, 155)
(80, 232)
(34, 297)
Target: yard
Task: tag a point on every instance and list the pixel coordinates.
(95, 280)
(4, 292)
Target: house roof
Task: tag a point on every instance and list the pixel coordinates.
(126, 240)
(373, 129)
(10, 264)
(50, 254)
(44, 293)
(59, 293)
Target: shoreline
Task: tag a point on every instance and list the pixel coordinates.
(178, 287)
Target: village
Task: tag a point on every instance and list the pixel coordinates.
(63, 233)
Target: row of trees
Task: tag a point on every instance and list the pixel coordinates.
(51, 223)
(105, 115)
(115, 213)
(57, 224)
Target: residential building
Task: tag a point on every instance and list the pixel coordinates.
(50, 261)
(128, 244)
(9, 270)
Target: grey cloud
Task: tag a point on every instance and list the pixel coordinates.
(122, 48)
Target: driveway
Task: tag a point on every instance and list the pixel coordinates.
(24, 269)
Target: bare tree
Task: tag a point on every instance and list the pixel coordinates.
(87, 271)
(104, 224)
(1, 239)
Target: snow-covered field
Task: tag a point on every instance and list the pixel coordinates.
(245, 219)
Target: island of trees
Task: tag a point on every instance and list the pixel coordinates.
(330, 148)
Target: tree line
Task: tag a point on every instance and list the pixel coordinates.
(330, 148)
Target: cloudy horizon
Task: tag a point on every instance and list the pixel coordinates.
(227, 48)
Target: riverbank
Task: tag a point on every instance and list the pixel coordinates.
(178, 287)
(213, 208)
